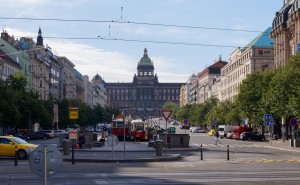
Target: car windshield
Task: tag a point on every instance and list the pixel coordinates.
(19, 141)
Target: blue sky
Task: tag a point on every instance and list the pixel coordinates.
(116, 60)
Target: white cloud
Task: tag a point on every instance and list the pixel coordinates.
(113, 66)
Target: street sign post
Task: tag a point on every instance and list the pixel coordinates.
(293, 122)
(166, 114)
(268, 120)
(172, 130)
(45, 161)
(186, 121)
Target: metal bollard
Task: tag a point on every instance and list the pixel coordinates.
(16, 156)
(201, 153)
(227, 152)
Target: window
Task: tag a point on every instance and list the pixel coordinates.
(260, 52)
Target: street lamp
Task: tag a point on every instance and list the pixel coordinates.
(123, 115)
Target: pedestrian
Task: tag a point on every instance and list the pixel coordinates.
(217, 138)
(81, 140)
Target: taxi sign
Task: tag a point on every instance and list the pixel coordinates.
(73, 113)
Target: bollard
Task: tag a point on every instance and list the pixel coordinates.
(73, 151)
(201, 152)
(227, 152)
(16, 156)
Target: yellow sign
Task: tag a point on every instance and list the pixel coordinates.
(73, 113)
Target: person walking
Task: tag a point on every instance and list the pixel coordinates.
(217, 138)
(81, 140)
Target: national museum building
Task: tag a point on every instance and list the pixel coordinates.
(144, 96)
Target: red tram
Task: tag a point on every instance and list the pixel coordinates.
(119, 128)
(139, 130)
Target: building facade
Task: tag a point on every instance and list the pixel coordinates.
(144, 96)
(257, 56)
(201, 87)
(185, 91)
(286, 32)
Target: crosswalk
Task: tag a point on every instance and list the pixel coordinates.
(230, 146)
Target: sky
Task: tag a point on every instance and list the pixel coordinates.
(108, 37)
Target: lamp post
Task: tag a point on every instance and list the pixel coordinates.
(123, 115)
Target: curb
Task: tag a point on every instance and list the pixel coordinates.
(174, 157)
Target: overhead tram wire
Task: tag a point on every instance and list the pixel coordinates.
(122, 21)
(137, 40)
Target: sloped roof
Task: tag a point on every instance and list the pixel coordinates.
(262, 40)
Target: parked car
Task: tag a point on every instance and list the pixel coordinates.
(185, 126)
(199, 130)
(8, 145)
(252, 136)
(26, 138)
(229, 135)
(50, 133)
(224, 129)
(191, 129)
(38, 135)
(58, 132)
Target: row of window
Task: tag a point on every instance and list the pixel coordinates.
(8, 71)
(165, 98)
(112, 91)
(54, 72)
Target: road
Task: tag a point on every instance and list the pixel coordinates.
(250, 163)
(189, 170)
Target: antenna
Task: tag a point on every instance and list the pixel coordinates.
(121, 12)
(108, 30)
(122, 7)
(3, 27)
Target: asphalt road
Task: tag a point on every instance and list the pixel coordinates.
(250, 163)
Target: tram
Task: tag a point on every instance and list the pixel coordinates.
(139, 130)
(119, 128)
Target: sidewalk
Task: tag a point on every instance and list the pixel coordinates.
(140, 152)
(134, 152)
(280, 145)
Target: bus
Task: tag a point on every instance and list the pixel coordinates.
(139, 130)
(238, 130)
(118, 128)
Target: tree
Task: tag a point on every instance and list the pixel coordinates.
(171, 106)
(249, 98)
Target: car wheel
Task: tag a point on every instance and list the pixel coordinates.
(45, 137)
(249, 139)
(22, 154)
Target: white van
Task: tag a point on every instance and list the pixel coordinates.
(224, 130)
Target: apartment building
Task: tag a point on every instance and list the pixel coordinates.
(258, 55)
(286, 32)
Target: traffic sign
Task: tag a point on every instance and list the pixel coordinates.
(112, 140)
(293, 122)
(37, 160)
(166, 114)
(186, 121)
(215, 122)
(172, 130)
(73, 134)
(268, 120)
(73, 112)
